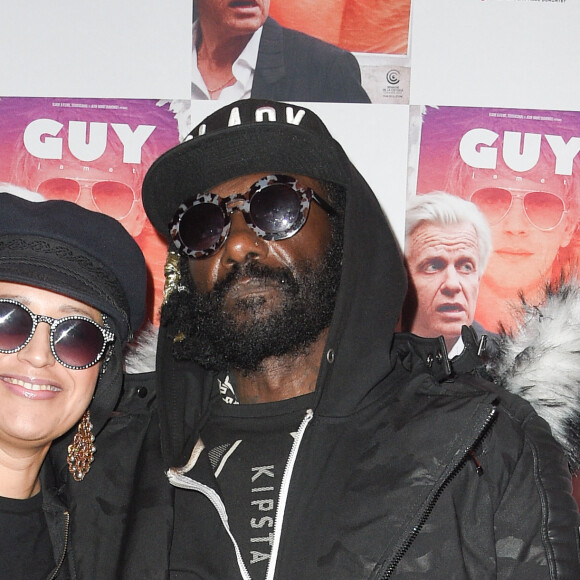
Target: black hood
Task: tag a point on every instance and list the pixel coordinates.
(370, 297)
(369, 301)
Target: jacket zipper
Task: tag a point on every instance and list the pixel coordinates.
(63, 555)
(404, 547)
(283, 497)
(185, 482)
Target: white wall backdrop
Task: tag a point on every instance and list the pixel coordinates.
(500, 53)
(104, 48)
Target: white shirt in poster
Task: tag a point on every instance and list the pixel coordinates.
(243, 69)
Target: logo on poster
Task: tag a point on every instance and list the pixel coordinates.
(393, 77)
(520, 151)
(44, 139)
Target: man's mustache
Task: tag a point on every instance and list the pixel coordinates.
(283, 276)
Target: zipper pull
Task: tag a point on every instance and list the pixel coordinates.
(478, 467)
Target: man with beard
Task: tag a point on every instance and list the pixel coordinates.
(301, 437)
(243, 328)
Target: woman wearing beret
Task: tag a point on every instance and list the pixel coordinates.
(72, 292)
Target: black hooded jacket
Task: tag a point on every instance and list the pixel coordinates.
(71, 508)
(86, 519)
(403, 466)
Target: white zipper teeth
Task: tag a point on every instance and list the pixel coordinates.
(187, 483)
(284, 488)
(225, 458)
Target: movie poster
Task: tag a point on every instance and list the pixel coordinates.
(375, 32)
(94, 152)
(521, 169)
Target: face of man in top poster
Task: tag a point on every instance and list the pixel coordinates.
(238, 52)
(240, 17)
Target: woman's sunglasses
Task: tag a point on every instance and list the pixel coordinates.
(544, 210)
(77, 342)
(275, 208)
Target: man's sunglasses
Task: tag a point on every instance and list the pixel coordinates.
(544, 210)
(77, 342)
(275, 208)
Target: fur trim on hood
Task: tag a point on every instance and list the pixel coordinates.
(540, 362)
(140, 352)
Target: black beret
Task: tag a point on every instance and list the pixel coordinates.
(63, 247)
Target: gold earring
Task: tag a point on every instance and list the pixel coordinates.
(81, 450)
(172, 274)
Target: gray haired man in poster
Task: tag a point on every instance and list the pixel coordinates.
(301, 436)
(447, 246)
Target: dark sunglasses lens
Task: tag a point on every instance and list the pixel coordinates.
(77, 342)
(493, 202)
(544, 210)
(15, 326)
(201, 226)
(275, 209)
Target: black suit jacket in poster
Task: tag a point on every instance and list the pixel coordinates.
(293, 66)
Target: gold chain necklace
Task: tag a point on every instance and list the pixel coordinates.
(211, 91)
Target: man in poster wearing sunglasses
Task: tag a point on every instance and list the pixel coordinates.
(301, 436)
(532, 217)
(524, 180)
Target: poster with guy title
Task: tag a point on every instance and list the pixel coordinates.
(521, 168)
(94, 152)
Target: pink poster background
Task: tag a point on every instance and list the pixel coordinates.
(94, 152)
(464, 150)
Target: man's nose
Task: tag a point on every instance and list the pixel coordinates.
(85, 198)
(452, 283)
(515, 220)
(242, 243)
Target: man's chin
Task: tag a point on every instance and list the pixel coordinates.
(453, 332)
(448, 331)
